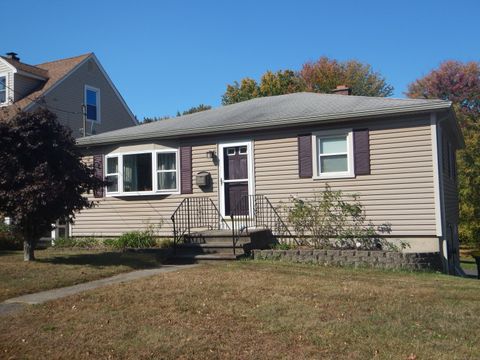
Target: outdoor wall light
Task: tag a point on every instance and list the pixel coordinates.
(210, 154)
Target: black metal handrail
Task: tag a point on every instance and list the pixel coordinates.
(197, 213)
(257, 212)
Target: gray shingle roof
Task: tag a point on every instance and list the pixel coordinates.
(267, 112)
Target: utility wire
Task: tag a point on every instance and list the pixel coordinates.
(42, 102)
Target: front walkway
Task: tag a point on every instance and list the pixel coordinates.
(14, 304)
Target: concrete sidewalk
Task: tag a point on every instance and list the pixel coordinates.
(14, 304)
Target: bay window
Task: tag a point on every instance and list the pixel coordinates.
(333, 154)
(143, 173)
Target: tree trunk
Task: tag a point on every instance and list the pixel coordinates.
(28, 247)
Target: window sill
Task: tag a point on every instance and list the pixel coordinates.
(334, 176)
(143, 193)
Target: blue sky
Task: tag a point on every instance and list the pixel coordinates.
(166, 56)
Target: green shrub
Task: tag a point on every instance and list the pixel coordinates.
(336, 220)
(282, 246)
(165, 243)
(133, 239)
(8, 240)
(76, 242)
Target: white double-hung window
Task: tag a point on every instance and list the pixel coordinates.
(167, 171)
(92, 103)
(333, 154)
(142, 173)
(112, 174)
(3, 89)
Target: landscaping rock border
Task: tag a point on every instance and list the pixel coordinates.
(356, 258)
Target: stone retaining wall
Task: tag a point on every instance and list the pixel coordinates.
(356, 258)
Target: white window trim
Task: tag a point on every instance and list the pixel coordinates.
(99, 112)
(350, 173)
(7, 90)
(177, 170)
(154, 191)
(117, 174)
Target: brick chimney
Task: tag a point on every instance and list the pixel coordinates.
(342, 90)
(13, 55)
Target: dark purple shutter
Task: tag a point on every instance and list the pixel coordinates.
(305, 156)
(361, 149)
(186, 169)
(98, 167)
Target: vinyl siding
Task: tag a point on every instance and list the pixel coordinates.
(450, 190)
(114, 216)
(399, 189)
(69, 96)
(25, 85)
(6, 70)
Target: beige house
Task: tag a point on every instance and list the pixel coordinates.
(398, 155)
(77, 90)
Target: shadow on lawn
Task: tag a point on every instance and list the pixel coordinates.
(132, 260)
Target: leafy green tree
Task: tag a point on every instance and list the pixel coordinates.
(281, 82)
(460, 83)
(195, 109)
(147, 120)
(43, 177)
(246, 90)
(326, 74)
(321, 76)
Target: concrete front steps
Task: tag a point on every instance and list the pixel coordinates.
(214, 245)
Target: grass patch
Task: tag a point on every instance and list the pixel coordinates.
(257, 310)
(63, 267)
(467, 261)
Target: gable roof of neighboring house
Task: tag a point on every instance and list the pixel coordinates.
(28, 69)
(269, 112)
(54, 72)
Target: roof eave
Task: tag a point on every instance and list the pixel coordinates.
(91, 141)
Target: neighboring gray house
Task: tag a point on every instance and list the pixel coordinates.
(63, 86)
(397, 154)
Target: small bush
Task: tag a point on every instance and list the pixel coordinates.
(76, 242)
(336, 220)
(8, 240)
(282, 246)
(133, 239)
(165, 243)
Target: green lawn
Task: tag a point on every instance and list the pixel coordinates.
(56, 268)
(257, 310)
(468, 262)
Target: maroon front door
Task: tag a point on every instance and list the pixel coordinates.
(235, 170)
